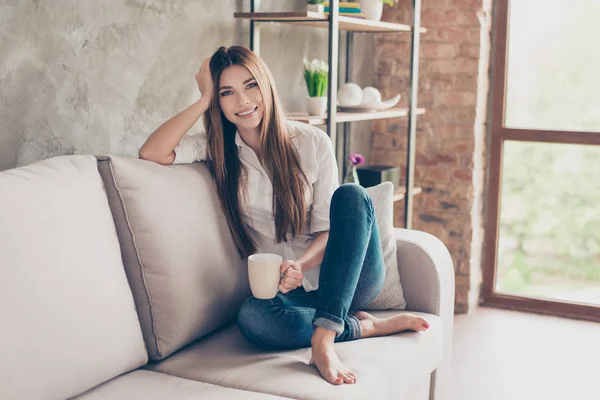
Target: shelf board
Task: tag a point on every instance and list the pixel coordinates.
(314, 19)
(400, 193)
(356, 116)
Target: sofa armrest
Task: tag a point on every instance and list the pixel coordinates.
(427, 276)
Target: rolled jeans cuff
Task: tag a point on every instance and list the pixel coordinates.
(328, 321)
(336, 324)
(354, 327)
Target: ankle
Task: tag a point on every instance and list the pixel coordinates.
(322, 337)
(367, 328)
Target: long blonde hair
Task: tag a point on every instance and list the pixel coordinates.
(281, 161)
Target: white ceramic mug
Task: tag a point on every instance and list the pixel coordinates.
(264, 273)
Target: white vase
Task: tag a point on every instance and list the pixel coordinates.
(372, 9)
(317, 106)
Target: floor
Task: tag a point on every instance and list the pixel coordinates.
(509, 355)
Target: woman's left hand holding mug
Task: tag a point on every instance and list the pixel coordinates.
(292, 276)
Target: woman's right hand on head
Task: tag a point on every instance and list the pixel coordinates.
(205, 83)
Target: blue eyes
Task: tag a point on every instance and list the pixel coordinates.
(250, 86)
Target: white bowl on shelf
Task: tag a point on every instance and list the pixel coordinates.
(371, 107)
(371, 96)
(352, 98)
(350, 94)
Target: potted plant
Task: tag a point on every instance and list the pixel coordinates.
(315, 6)
(372, 9)
(315, 74)
(355, 160)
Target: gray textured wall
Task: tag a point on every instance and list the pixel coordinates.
(97, 77)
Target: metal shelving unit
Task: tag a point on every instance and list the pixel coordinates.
(336, 24)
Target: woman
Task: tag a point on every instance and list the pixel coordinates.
(278, 187)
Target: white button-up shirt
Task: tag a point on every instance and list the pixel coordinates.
(317, 160)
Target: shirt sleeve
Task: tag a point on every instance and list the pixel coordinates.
(191, 148)
(327, 182)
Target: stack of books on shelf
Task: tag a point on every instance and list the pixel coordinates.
(346, 9)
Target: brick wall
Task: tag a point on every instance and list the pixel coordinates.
(450, 147)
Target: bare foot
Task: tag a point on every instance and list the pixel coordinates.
(326, 360)
(371, 326)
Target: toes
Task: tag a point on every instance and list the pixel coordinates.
(419, 324)
(333, 377)
(334, 380)
(348, 378)
(345, 376)
(329, 375)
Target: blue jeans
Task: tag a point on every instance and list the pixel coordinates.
(352, 275)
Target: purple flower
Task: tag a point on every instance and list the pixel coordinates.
(356, 159)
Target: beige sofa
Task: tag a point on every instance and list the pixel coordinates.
(119, 280)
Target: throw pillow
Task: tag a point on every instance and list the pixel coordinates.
(391, 296)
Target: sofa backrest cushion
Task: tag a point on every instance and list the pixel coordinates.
(67, 316)
(183, 267)
(391, 296)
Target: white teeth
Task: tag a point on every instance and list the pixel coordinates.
(246, 113)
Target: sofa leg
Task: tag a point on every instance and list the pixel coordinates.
(432, 386)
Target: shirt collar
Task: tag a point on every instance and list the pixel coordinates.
(238, 140)
(240, 143)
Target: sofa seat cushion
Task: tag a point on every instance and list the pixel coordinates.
(387, 366)
(67, 314)
(185, 272)
(148, 385)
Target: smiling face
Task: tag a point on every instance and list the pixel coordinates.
(240, 98)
